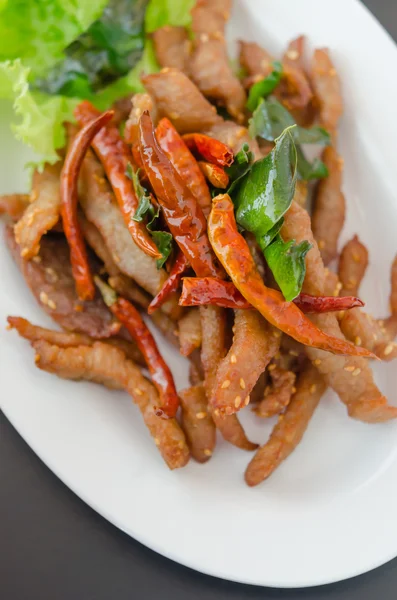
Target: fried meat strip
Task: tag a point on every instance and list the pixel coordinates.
(290, 429)
(327, 89)
(255, 343)
(295, 53)
(197, 423)
(209, 65)
(277, 396)
(329, 206)
(178, 99)
(350, 377)
(353, 263)
(108, 366)
(213, 325)
(172, 47)
(43, 211)
(49, 277)
(189, 332)
(100, 207)
(64, 339)
(14, 205)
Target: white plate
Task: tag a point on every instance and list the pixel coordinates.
(329, 512)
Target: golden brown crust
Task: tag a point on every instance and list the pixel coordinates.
(353, 263)
(327, 89)
(197, 423)
(254, 345)
(108, 366)
(172, 47)
(49, 277)
(289, 430)
(278, 395)
(189, 332)
(43, 211)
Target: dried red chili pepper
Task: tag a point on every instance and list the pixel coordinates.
(184, 162)
(161, 375)
(172, 283)
(69, 199)
(233, 252)
(180, 208)
(215, 175)
(114, 154)
(198, 291)
(209, 148)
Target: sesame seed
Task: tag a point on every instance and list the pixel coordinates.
(356, 257)
(217, 412)
(37, 358)
(293, 54)
(228, 410)
(321, 244)
(204, 37)
(43, 298)
(389, 349)
(237, 401)
(157, 441)
(37, 259)
(247, 400)
(375, 336)
(317, 362)
(181, 444)
(293, 353)
(242, 383)
(138, 392)
(51, 304)
(208, 452)
(356, 372)
(24, 252)
(358, 341)
(233, 359)
(174, 115)
(281, 417)
(225, 384)
(338, 288)
(271, 367)
(313, 388)
(201, 415)
(293, 389)
(349, 368)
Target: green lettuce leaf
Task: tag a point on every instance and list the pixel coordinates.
(287, 262)
(40, 116)
(168, 12)
(38, 31)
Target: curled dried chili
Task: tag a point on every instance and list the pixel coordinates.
(209, 148)
(172, 283)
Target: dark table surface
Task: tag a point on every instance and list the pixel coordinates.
(54, 547)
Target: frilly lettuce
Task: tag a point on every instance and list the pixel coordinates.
(37, 35)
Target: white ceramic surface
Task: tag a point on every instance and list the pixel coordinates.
(329, 512)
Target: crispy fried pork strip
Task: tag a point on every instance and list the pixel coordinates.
(178, 99)
(100, 207)
(209, 65)
(390, 324)
(190, 332)
(49, 277)
(213, 324)
(172, 47)
(14, 205)
(255, 343)
(295, 53)
(43, 211)
(278, 395)
(301, 193)
(329, 206)
(350, 377)
(140, 103)
(108, 366)
(353, 263)
(327, 89)
(290, 429)
(197, 423)
(64, 339)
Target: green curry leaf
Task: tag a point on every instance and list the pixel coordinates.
(266, 86)
(287, 262)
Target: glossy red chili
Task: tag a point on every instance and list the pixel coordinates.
(180, 209)
(184, 162)
(171, 285)
(210, 149)
(114, 154)
(160, 373)
(215, 174)
(198, 291)
(233, 252)
(69, 199)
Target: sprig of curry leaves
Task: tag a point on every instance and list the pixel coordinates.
(263, 88)
(147, 212)
(262, 195)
